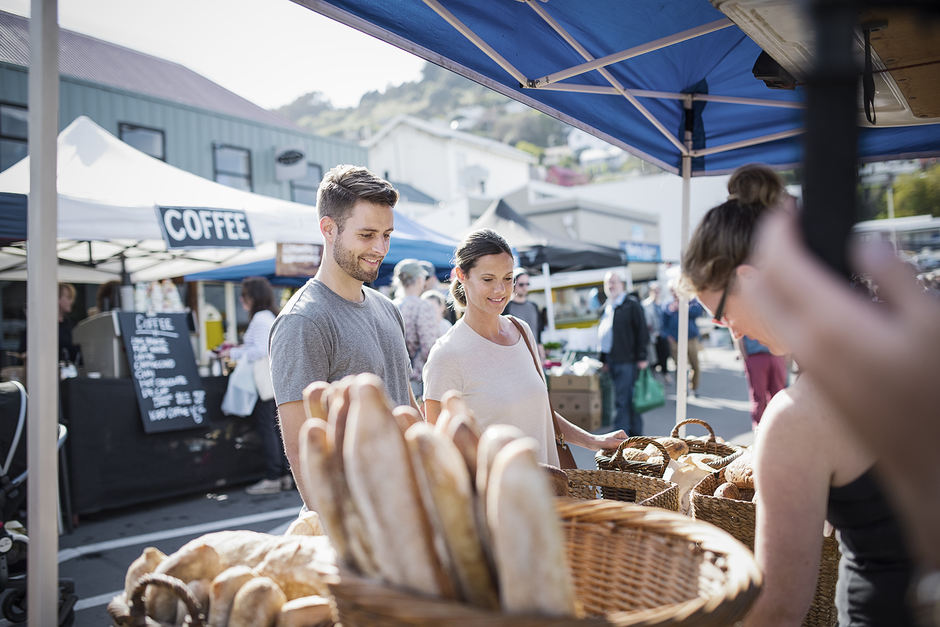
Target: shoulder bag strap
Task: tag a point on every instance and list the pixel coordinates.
(559, 436)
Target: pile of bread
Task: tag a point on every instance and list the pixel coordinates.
(244, 578)
(444, 510)
(739, 479)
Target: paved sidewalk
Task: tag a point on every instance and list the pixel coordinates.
(722, 402)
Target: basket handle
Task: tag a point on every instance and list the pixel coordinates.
(641, 439)
(696, 421)
(138, 611)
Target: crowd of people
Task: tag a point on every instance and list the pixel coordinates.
(830, 447)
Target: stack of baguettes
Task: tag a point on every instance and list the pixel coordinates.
(444, 511)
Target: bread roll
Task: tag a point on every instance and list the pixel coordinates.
(223, 590)
(305, 612)
(293, 563)
(528, 544)
(383, 486)
(143, 565)
(315, 400)
(740, 472)
(557, 479)
(728, 491)
(635, 455)
(676, 447)
(200, 589)
(198, 561)
(445, 486)
(307, 524)
(257, 604)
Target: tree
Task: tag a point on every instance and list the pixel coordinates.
(917, 194)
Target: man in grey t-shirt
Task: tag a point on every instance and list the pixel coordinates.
(524, 309)
(334, 326)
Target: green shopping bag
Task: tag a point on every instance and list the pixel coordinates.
(648, 393)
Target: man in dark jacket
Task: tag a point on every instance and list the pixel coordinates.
(622, 341)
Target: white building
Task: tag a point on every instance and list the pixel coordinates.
(447, 165)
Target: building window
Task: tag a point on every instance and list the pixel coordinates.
(232, 166)
(147, 140)
(14, 131)
(305, 190)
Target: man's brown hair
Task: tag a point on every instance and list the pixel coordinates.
(346, 185)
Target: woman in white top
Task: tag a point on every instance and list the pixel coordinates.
(485, 358)
(258, 300)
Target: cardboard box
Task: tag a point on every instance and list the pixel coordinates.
(580, 408)
(571, 383)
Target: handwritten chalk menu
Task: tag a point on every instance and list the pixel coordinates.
(169, 391)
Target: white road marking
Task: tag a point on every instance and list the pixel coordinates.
(192, 530)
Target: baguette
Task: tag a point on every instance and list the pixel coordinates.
(315, 400)
(464, 432)
(257, 604)
(445, 486)
(315, 467)
(405, 416)
(452, 403)
(383, 486)
(528, 543)
(223, 590)
(143, 565)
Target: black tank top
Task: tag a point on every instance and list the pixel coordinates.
(875, 570)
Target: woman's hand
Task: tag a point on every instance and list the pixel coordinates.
(607, 440)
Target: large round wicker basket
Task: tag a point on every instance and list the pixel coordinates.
(739, 518)
(726, 453)
(627, 487)
(614, 459)
(630, 566)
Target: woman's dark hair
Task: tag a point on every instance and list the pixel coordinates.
(723, 240)
(260, 294)
(475, 245)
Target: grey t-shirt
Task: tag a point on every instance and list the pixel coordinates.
(321, 336)
(529, 313)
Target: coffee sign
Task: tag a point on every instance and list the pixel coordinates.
(193, 227)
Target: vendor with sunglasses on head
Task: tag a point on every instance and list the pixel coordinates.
(810, 466)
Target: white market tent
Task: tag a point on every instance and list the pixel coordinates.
(108, 193)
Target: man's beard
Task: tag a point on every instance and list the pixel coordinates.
(349, 262)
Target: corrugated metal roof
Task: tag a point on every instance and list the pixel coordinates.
(96, 61)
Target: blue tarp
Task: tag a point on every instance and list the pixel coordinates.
(717, 64)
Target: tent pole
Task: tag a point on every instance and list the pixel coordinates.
(549, 305)
(42, 317)
(201, 323)
(682, 354)
(231, 314)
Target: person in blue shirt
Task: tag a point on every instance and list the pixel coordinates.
(670, 328)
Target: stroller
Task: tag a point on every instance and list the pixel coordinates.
(13, 539)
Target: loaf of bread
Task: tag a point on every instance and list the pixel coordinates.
(464, 432)
(557, 479)
(383, 486)
(223, 590)
(315, 468)
(200, 589)
(728, 491)
(257, 604)
(199, 561)
(740, 472)
(528, 544)
(305, 612)
(406, 415)
(315, 400)
(447, 494)
(143, 565)
(635, 455)
(676, 447)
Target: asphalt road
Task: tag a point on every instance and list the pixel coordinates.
(97, 553)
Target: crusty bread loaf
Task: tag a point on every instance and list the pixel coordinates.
(198, 561)
(528, 544)
(315, 400)
(740, 472)
(491, 442)
(307, 524)
(305, 612)
(315, 467)
(676, 447)
(635, 455)
(406, 415)
(200, 589)
(728, 491)
(445, 486)
(143, 565)
(293, 564)
(382, 484)
(257, 604)
(223, 590)
(464, 432)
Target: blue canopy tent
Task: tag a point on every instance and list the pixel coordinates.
(409, 240)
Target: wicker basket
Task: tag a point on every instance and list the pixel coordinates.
(727, 452)
(622, 486)
(739, 519)
(606, 460)
(135, 615)
(630, 566)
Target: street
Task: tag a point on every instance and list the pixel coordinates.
(97, 553)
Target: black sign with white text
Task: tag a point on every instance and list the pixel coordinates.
(192, 227)
(169, 391)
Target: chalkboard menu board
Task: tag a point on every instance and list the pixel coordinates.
(169, 391)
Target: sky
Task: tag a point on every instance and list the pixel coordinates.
(268, 51)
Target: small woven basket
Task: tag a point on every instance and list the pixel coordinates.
(630, 566)
(726, 452)
(623, 486)
(613, 460)
(135, 615)
(739, 518)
